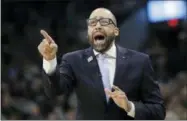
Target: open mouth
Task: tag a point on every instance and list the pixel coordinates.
(99, 37)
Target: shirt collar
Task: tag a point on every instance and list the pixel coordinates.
(111, 52)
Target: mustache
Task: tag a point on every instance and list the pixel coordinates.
(100, 31)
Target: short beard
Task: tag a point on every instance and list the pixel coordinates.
(102, 47)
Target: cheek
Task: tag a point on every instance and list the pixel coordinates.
(89, 35)
(109, 31)
(89, 32)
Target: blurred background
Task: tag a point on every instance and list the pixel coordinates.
(158, 28)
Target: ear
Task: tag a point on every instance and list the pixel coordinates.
(116, 31)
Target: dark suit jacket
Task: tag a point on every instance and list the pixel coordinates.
(134, 75)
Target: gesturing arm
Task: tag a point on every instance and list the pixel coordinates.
(57, 78)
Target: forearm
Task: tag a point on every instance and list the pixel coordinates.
(51, 77)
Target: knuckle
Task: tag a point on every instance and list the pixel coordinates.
(54, 45)
(38, 47)
(44, 40)
(45, 44)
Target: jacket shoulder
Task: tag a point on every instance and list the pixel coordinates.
(138, 54)
(72, 55)
(134, 53)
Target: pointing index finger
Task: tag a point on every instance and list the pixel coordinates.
(46, 36)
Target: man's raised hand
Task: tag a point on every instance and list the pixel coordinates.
(47, 48)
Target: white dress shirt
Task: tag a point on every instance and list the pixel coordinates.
(50, 66)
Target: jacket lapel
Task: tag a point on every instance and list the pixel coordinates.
(122, 64)
(94, 72)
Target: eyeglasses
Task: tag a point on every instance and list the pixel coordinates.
(102, 21)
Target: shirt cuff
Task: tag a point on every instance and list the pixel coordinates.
(132, 111)
(49, 66)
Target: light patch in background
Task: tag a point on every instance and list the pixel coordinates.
(159, 11)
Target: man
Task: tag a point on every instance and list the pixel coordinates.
(110, 82)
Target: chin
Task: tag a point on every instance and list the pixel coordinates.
(100, 48)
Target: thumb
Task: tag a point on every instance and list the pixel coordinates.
(53, 45)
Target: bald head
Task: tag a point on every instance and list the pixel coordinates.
(102, 29)
(104, 13)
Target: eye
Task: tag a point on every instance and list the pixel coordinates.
(92, 22)
(104, 21)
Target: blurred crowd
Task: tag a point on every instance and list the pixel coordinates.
(170, 69)
(22, 94)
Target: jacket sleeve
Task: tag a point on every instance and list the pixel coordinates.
(61, 81)
(151, 106)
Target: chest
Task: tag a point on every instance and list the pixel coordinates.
(122, 73)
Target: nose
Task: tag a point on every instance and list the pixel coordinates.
(98, 26)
